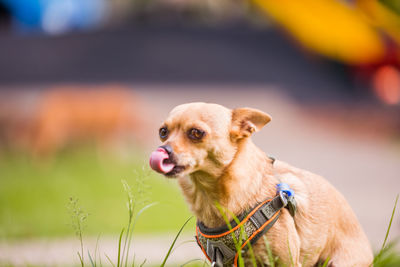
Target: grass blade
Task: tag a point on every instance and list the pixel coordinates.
(141, 265)
(131, 209)
(326, 262)
(387, 232)
(145, 208)
(96, 250)
(181, 244)
(133, 260)
(390, 223)
(290, 253)
(390, 256)
(269, 251)
(91, 260)
(236, 241)
(81, 259)
(119, 248)
(173, 243)
(133, 227)
(190, 261)
(108, 258)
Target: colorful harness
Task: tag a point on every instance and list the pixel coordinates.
(218, 244)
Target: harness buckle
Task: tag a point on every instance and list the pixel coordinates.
(292, 206)
(283, 197)
(218, 252)
(217, 261)
(287, 197)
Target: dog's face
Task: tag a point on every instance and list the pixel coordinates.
(203, 137)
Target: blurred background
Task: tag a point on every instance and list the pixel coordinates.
(85, 84)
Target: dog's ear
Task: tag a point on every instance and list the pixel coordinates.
(246, 121)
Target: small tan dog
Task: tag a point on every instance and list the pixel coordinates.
(208, 148)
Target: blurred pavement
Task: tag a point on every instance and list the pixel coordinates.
(63, 252)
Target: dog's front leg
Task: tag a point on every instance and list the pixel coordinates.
(284, 242)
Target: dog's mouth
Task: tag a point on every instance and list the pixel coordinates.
(163, 162)
(175, 171)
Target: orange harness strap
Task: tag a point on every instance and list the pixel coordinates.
(226, 242)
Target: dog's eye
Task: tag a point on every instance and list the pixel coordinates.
(163, 132)
(195, 134)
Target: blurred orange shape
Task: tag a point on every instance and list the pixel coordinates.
(386, 82)
(382, 17)
(328, 27)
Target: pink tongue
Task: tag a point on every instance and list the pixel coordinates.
(157, 159)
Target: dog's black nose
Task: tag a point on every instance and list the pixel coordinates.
(167, 148)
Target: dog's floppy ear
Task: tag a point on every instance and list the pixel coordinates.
(245, 121)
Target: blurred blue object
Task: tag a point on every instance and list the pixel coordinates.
(27, 13)
(56, 16)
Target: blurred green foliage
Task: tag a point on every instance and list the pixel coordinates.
(393, 5)
(390, 256)
(34, 194)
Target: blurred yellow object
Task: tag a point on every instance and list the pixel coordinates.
(380, 16)
(328, 27)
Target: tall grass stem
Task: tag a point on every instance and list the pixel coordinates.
(173, 243)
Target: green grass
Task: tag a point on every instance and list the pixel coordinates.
(34, 194)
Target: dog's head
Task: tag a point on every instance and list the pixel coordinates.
(203, 137)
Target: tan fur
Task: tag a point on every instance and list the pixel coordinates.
(226, 167)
